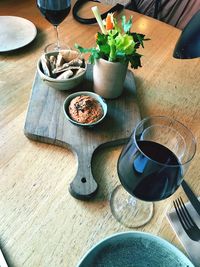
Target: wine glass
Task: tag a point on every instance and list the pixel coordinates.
(151, 168)
(55, 11)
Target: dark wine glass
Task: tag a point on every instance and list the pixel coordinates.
(151, 167)
(55, 11)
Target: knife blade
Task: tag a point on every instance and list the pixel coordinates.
(191, 196)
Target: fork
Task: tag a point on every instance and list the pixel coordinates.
(186, 220)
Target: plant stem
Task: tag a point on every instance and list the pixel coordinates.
(97, 15)
(112, 55)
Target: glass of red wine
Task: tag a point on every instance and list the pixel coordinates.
(151, 167)
(55, 11)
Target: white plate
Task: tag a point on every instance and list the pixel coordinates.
(134, 249)
(15, 32)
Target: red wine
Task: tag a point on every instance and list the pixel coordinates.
(55, 17)
(153, 177)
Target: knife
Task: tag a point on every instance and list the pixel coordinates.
(191, 196)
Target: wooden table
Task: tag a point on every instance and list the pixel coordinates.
(41, 224)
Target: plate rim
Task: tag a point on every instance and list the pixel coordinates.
(139, 233)
(34, 28)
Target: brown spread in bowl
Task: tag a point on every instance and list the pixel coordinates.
(85, 109)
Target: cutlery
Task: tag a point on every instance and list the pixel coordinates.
(191, 196)
(186, 220)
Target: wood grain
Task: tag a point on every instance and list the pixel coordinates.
(41, 224)
(46, 122)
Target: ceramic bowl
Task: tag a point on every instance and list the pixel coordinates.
(65, 84)
(87, 93)
(134, 248)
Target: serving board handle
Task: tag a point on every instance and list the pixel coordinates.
(83, 185)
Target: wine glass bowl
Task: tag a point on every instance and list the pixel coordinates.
(152, 165)
(55, 12)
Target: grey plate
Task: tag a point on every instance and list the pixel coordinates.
(15, 32)
(134, 249)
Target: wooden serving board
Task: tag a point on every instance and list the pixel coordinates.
(45, 122)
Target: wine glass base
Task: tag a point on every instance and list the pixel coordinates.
(128, 210)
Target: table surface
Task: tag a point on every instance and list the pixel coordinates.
(41, 224)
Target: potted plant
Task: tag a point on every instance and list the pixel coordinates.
(116, 47)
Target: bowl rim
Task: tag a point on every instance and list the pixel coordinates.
(50, 79)
(88, 93)
(134, 234)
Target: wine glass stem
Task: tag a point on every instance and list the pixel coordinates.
(57, 38)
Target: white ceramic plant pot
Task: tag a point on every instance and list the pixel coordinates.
(108, 78)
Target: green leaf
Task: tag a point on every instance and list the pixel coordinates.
(83, 50)
(135, 61)
(120, 54)
(139, 39)
(101, 38)
(94, 55)
(127, 24)
(105, 49)
(116, 26)
(125, 43)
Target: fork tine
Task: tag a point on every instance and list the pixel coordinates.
(176, 206)
(186, 220)
(186, 212)
(182, 210)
